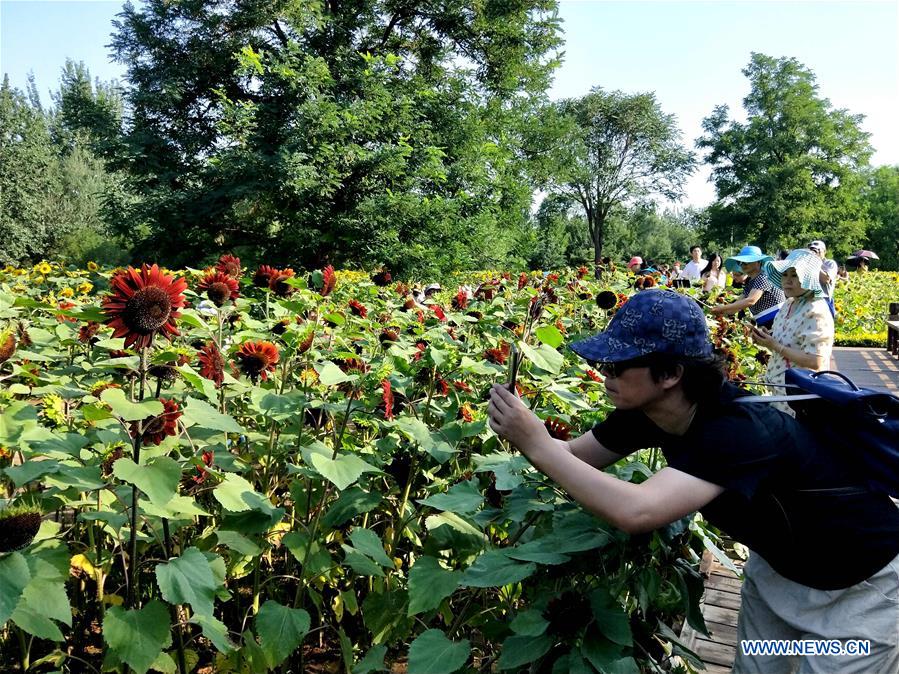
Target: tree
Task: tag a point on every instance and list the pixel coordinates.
(881, 199)
(615, 149)
(356, 133)
(561, 238)
(791, 172)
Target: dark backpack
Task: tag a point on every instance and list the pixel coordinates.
(860, 423)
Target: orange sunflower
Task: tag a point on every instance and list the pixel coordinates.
(142, 303)
(257, 359)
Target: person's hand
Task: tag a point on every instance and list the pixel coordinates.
(762, 337)
(717, 310)
(510, 419)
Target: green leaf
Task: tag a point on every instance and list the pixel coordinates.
(201, 413)
(319, 559)
(545, 357)
(280, 629)
(352, 502)
(611, 619)
(31, 470)
(530, 623)
(214, 630)
(331, 375)
(449, 531)
(178, 507)
(188, 580)
(127, 410)
(494, 569)
(520, 650)
(158, 479)
(14, 577)
(238, 543)
(372, 662)
(35, 623)
(47, 597)
(542, 551)
(360, 563)
(429, 584)
(433, 653)
(342, 471)
(367, 542)
(237, 495)
(461, 498)
(549, 335)
(200, 383)
(606, 656)
(138, 636)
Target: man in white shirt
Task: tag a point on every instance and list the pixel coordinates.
(695, 266)
(828, 274)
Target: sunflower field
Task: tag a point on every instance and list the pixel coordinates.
(224, 471)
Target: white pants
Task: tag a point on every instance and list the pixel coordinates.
(774, 607)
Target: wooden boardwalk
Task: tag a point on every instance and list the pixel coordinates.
(869, 368)
(720, 608)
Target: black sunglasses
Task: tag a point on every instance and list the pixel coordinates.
(615, 370)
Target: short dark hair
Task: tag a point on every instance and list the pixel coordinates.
(694, 247)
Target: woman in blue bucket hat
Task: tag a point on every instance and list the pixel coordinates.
(823, 545)
(802, 333)
(760, 296)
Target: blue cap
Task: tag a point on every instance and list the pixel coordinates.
(652, 321)
(746, 254)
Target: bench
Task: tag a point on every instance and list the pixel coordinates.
(893, 329)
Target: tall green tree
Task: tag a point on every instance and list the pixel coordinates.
(881, 199)
(357, 132)
(615, 149)
(791, 172)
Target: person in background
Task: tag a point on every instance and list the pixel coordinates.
(828, 274)
(843, 274)
(782, 254)
(862, 266)
(802, 333)
(676, 269)
(635, 264)
(713, 275)
(693, 270)
(760, 296)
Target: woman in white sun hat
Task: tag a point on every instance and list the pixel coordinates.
(802, 333)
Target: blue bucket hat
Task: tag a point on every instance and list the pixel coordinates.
(652, 321)
(807, 266)
(746, 254)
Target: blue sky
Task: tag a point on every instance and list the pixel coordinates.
(689, 52)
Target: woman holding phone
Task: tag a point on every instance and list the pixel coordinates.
(802, 333)
(760, 296)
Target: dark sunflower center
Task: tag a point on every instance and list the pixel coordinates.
(254, 363)
(218, 293)
(155, 425)
(148, 310)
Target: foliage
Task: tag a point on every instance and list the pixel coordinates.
(614, 149)
(360, 133)
(394, 528)
(881, 198)
(791, 172)
(862, 308)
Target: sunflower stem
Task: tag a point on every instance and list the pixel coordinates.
(136, 441)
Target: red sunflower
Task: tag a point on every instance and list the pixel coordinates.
(557, 428)
(212, 365)
(263, 275)
(498, 355)
(219, 287)
(329, 281)
(522, 280)
(278, 284)
(257, 359)
(358, 308)
(143, 303)
(158, 427)
(460, 301)
(387, 397)
(229, 264)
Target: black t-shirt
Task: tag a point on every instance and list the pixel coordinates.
(790, 500)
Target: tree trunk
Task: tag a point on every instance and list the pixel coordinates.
(597, 230)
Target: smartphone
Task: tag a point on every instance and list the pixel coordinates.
(514, 361)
